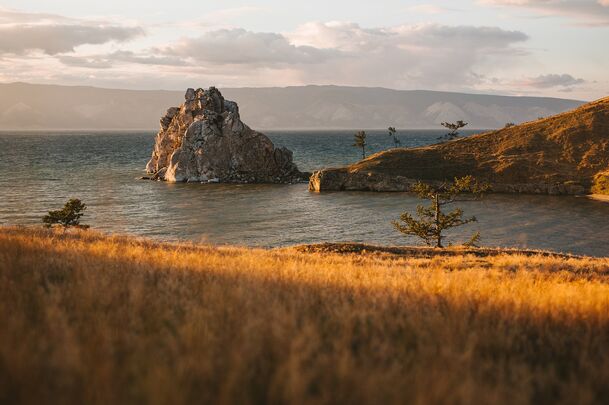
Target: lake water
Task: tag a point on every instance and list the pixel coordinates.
(40, 171)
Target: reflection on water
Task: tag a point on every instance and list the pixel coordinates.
(41, 171)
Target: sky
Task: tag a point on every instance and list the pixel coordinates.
(555, 48)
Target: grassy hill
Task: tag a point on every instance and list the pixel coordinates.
(88, 318)
(561, 154)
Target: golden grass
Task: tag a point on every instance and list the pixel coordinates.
(87, 318)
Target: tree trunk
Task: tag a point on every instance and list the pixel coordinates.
(363, 153)
(436, 201)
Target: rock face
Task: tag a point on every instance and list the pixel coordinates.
(564, 154)
(204, 140)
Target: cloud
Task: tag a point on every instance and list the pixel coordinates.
(347, 36)
(144, 59)
(85, 62)
(22, 33)
(106, 61)
(428, 55)
(241, 47)
(54, 39)
(405, 56)
(586, 12)
(8, 16)
(553, 80)
(46, 47)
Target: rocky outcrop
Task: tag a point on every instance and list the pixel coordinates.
(564, 154)
(343, 180)
(204, 140)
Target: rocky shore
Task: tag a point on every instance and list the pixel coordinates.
(343, 180)
(204, 140)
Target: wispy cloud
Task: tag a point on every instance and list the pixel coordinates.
(106, 61)
(584, 12)
(552, 80)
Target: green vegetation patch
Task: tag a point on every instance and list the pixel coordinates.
(601, 183)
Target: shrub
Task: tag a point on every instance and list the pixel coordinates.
(68, 216)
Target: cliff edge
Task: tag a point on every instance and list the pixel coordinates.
(564, 154)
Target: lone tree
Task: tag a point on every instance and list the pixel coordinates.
(454, 128)
(432, 221)
(392, 134)
(68, 216)
(360, 142)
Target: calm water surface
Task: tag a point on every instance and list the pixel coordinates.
(40, 171)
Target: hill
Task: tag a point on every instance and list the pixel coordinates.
(46, 107)
(563, 154)
(88, 318)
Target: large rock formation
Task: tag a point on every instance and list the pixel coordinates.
(564, 154)
(204, 140)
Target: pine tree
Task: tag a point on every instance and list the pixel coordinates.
(432, 221)
(68, 216)
(454, 128)
(360, 142)
(392, 134)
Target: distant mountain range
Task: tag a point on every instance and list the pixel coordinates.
(32, 106)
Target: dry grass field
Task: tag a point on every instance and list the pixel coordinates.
(87, 318)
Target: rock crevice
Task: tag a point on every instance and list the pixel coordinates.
(204, 140)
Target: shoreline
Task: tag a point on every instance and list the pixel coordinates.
(339, 247)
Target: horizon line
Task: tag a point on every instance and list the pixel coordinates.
(298, 86)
